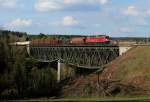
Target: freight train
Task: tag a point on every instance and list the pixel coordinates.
(102, 40)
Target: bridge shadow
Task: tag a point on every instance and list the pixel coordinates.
(68, 71)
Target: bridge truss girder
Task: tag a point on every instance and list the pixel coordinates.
(86, 57)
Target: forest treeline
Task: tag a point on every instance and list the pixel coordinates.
(20, 75)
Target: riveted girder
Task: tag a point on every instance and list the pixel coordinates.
(80, 56)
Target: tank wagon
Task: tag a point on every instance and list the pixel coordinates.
(46, 42)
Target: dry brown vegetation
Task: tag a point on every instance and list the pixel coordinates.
(128, 75)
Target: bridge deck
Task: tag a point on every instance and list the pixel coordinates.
(74, 46)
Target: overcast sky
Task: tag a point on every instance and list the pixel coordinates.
(111, 17)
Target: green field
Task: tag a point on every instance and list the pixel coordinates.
(143, 99)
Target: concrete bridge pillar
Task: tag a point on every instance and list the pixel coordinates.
(58, 70)
(28, 49)
(64, 71)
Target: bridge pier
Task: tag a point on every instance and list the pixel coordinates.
(28, 49)
(64, 71)
(58, 70)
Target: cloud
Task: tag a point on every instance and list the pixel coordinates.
(138, 12)
(103, 2)
(18, 23)
(47, 5)
(73, 2)
(69, 21)
(148, 12)
(137, 17)
(8, 3)
(85, 1)
(131, 11)
(66, 5)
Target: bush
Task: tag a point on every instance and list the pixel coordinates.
(42, 82)
(32, 81)
(20, 76)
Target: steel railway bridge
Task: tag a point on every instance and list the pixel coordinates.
(92, 57)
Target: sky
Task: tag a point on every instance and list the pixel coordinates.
(117, 18)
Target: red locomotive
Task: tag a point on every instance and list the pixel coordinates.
(90, 40)
(103, 39)
(81, 40)
(73, 41)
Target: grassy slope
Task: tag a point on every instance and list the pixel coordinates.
(133, 68)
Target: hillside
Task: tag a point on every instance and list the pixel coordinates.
(128, 75)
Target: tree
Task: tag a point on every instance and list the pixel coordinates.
(42, 36)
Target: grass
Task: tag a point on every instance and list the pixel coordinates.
(139, 99)
(134, 63)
